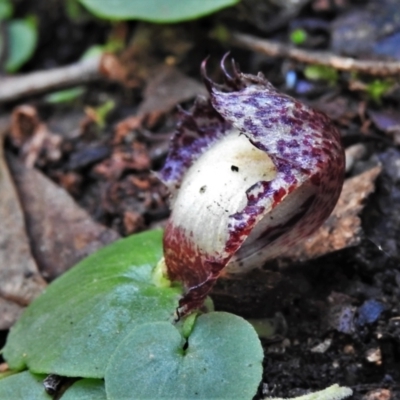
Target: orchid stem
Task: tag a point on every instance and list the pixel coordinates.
(159, 275)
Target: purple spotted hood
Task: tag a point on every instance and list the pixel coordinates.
(251, 172)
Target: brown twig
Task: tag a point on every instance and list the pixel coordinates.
(79, 73)
(275, 49)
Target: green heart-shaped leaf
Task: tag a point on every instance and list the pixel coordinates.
(86, 389)
(223, 360)
(22, 43)
(23, 386)
(163, 11)
(76, 325)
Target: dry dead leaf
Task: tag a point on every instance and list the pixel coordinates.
(61, 232)
(20, 281)
(149, 43)
(166, 87)
(33, 137)
(9, 313)
(133, 222)
(378, 394)
(111, 68)
(125, 157)
(343, 228)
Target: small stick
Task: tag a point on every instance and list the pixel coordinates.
(275, 49)
(81, 72)
(334, 392)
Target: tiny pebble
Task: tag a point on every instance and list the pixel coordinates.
(3, 367)
(370, 311)
(348, 349)
(322, 347)
(353, 154)
(374, 356)
(378, 394)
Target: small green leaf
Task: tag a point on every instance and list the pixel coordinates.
(112, 45)
(86, 389)
(223, 360)
(160, 11)
(101, 112)
(93, 51)
(298, 36)
(75, 11)
(321, 72)
(265, 327)
(22, 43)
(65, 96)
(378, 88)
(23, 386)
(188, 324)
(6, 9)
(221, 33)
(76, 325)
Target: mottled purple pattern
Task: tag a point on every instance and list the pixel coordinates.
(196, 132)
(303, 144)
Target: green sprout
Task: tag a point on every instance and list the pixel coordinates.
(99, 114)
(298, 36)
(377, 89)
(321, 73)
